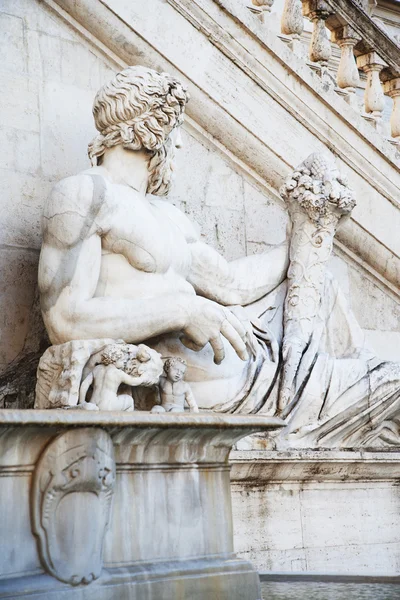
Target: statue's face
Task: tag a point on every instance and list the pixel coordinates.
(176, 137)
(161, 165)
(176, 372)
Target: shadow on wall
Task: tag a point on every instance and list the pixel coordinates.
(18, 380)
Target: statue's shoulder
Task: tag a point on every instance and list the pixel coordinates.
(73, 193)
(187, 227)
(73, 209)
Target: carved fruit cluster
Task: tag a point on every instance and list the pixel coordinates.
(320, 190)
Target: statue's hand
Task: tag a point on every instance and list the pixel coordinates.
(206, 322)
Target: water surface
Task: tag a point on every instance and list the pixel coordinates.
(309, 590)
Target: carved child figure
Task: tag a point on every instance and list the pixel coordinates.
(174, 391)
(119, 365)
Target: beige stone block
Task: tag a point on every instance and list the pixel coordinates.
(372, 307)
(343, 515)
(38, 17)
(291, 560)
(191, 173)
(22, 206)
(386, 344)
(266, 221)
(363, 559)
(88, 74)
(267, 519)
(225, 186)
(23, 150)
(19, 105)
(49, 49)
(67, 128)
(12, 44)
(223, 229)
(18, 269)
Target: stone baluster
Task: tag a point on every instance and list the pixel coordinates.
(392, 89)
(320, 47)
(260, 7)
(347, 76)
(292, 24)
(374, 99)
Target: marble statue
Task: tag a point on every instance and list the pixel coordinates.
(118, 364)
(106, 368)
(174, 392)
(265, 334)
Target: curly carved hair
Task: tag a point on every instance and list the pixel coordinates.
(138, 109)
(174, 360)
(112, 353)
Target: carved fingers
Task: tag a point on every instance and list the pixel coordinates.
(209, 323)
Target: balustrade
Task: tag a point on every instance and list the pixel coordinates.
(260, 7)
(292, 23)
(363, 47)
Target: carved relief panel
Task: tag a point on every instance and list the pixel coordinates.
(72, 490)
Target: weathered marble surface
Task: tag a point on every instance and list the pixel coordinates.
(317, 511)
(169, 532)
(233, 152)
(270, 333)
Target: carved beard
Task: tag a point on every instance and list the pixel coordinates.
(160, 169)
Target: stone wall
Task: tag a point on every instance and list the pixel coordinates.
(50, 73)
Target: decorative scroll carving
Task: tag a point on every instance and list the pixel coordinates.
(71, 499)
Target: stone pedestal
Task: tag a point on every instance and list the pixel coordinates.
(116, 506)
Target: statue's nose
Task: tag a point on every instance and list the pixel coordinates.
(178, 139)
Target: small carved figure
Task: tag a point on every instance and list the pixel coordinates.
(119, 364)
(174, 391)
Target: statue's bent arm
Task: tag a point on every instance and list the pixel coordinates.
(68, 275)
(241, 281)
(69, 271)
(84, 388)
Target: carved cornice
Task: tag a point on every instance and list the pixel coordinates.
(119, 41)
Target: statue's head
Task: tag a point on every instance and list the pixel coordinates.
(114, 354)
(138, 109)
(175, 368)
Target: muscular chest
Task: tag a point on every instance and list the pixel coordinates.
(145, 235)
